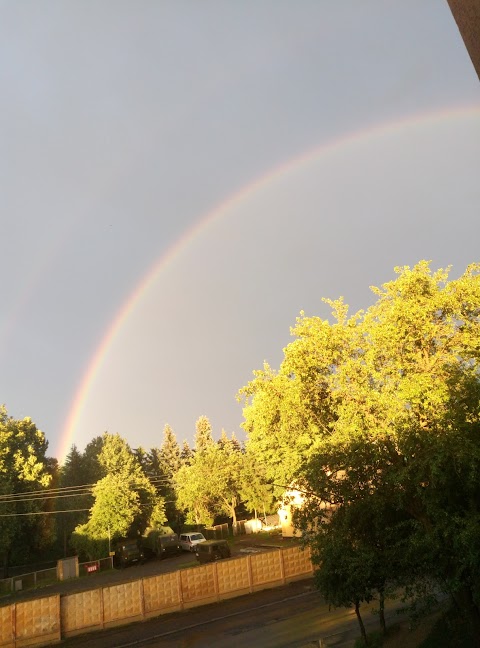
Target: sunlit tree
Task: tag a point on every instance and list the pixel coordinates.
(23, 470)
(203, 434)
(124, 499)
(386, 404)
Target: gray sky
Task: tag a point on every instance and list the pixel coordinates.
(126, 124)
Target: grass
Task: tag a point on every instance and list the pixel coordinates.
(194, 563)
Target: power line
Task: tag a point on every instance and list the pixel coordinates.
(42, 513)
(48, 490)
(65, 511)
(53, 493)
(46, 497)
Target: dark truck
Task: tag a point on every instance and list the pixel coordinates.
(160, 543)
(212, 550)
(128, 552)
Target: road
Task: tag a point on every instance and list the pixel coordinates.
(292, 616)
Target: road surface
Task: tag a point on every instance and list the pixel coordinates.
(292, 616)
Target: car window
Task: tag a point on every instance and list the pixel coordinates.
(197, 536)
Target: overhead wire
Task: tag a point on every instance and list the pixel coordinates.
(84, 490)
(71, 491)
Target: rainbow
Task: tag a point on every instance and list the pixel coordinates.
(182, 243)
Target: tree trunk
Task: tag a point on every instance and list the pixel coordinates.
(381, 612)
(360, 623)
(234, 513)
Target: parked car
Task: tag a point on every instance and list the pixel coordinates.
(160, 543)
(128, 552)
(188, 541)
(212, 550)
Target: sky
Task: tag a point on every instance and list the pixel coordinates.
(179, 179)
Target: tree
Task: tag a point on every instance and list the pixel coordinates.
(141, 455)
(73, 473)
(255, 491)
(194, 497)
(23, 470)
(386, 403)
(170, 453)
(92, 470)
(212, 483)
(124, 500)
(203, 434)
(226, 466)
(186, 454)
(164, 463)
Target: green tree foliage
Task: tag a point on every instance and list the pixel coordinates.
(163, 465)
(170, 453)
(211, 484)
(124, 500)
(158, 517)
(92, 471)
(203, 434)
(73, 473)
(385, 406)
(256, 493)
(141, 455)
(186, 454)
(193, 489)
(23, 469)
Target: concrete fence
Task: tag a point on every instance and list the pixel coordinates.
(45, 620)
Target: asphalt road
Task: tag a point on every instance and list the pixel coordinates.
(292, 616)
(131, 573)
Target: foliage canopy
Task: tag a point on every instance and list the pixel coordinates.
(382, 409)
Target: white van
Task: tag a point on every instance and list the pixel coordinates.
(189, 540)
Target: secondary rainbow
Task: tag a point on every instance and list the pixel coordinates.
(205, 221)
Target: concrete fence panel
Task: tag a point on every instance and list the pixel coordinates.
(123, 602)
(297, 563)
(199, 585)
(267, 569)
(162, 593)
(37, 622)
(81, 612)
(41, 621)
(7, 621)
(233, 577)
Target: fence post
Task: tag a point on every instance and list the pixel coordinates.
(102, 607)
(14, 623)
(180, 591)
(282, 567)
(142, 590)
(250, 573)
(215, 580)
